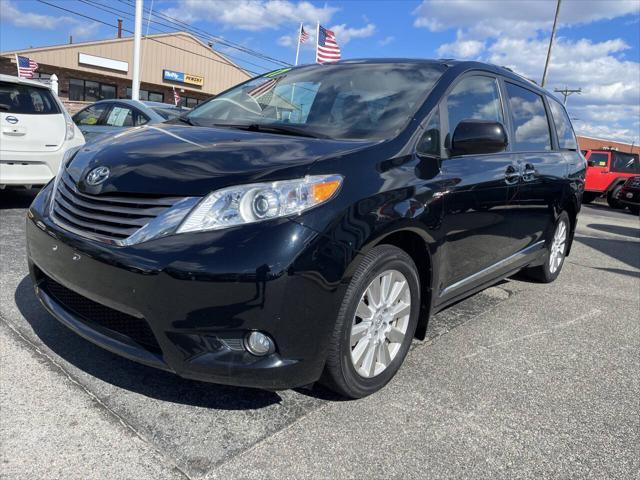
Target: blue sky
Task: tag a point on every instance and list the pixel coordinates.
(597, 48)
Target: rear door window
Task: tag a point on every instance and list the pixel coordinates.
(120, 116)
(16, 98)
(625, 162)
(529, 118)
(566, 137)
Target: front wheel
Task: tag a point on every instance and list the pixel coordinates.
(556, 252)
(375, 325)
(612, 197)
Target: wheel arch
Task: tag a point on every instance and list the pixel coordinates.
(417, 247)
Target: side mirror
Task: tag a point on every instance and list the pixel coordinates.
(478, 137)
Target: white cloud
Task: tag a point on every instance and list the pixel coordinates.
(518, 17)
(386, 41)
(461, 48)
(344, 34)
(518, 38)
(251, 14)
(79, 29)
(12, 14)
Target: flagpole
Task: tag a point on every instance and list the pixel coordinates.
(17, 65)
(298, 49)
(317, 38)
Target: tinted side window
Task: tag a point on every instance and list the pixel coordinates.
(624, 162)
(90, 115)
(475, 97)
(598, 159)
(529, 119)
(566, 137)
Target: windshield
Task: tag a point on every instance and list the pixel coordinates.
(345, 101)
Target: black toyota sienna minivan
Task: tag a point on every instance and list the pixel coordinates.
(305, 225)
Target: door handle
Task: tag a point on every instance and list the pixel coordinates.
(511, 175)
(529, 173)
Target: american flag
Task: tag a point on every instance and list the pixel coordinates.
(327, 49)
(263, 88)
(304, 36)
(26, 66)
(176, 96)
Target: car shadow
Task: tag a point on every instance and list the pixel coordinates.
(616, 229)
(622, 250)
(17, 197)
(132, 376)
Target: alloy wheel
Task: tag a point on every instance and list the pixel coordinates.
(558, 244)
(380, 323)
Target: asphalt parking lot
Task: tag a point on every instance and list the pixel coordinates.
(520, 381)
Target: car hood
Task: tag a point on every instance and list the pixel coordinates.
(171, 159)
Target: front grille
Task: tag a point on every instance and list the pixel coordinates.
(93, 313)
(106, 216)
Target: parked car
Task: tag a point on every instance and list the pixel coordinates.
(607, 171)
(36, 133)
(242, 246)
(629, 194)
(109, 116)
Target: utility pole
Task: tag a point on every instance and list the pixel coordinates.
(553, 34)
(137, 34)
(566, 92)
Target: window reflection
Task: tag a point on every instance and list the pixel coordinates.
(529, 120)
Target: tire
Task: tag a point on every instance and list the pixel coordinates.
(634, 209)
(347, 370)
(588, 197)
(550, 269)
(612, 197)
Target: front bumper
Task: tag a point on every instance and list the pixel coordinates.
(32, 168)
(199, 294)
(629, 196)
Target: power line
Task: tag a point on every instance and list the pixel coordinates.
(116, 11)
(208, 35)
(149, 38)
(566, 92)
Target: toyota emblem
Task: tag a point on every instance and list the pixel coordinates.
(97, 176)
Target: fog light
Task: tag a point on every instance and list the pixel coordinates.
(259, 344)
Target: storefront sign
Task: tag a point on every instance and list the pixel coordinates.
(103, 62)
(181, 77)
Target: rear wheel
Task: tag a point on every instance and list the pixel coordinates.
(556, 252)
(588, 197)
(375, 325)
(612, 197)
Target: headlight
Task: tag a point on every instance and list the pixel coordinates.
(260, 201)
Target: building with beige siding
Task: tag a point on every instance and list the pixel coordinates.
(91, 71)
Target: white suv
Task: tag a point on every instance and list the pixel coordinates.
(36, 132)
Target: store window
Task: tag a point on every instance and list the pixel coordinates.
(146, 95)
(90, 91)
(190, 102)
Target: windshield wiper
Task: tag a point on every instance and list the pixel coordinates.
(284, 129)
(184, 119)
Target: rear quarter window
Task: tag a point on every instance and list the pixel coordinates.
(625, 162)
(25, 99)
(566, 137)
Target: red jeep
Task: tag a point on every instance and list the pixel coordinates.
(607, 171)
